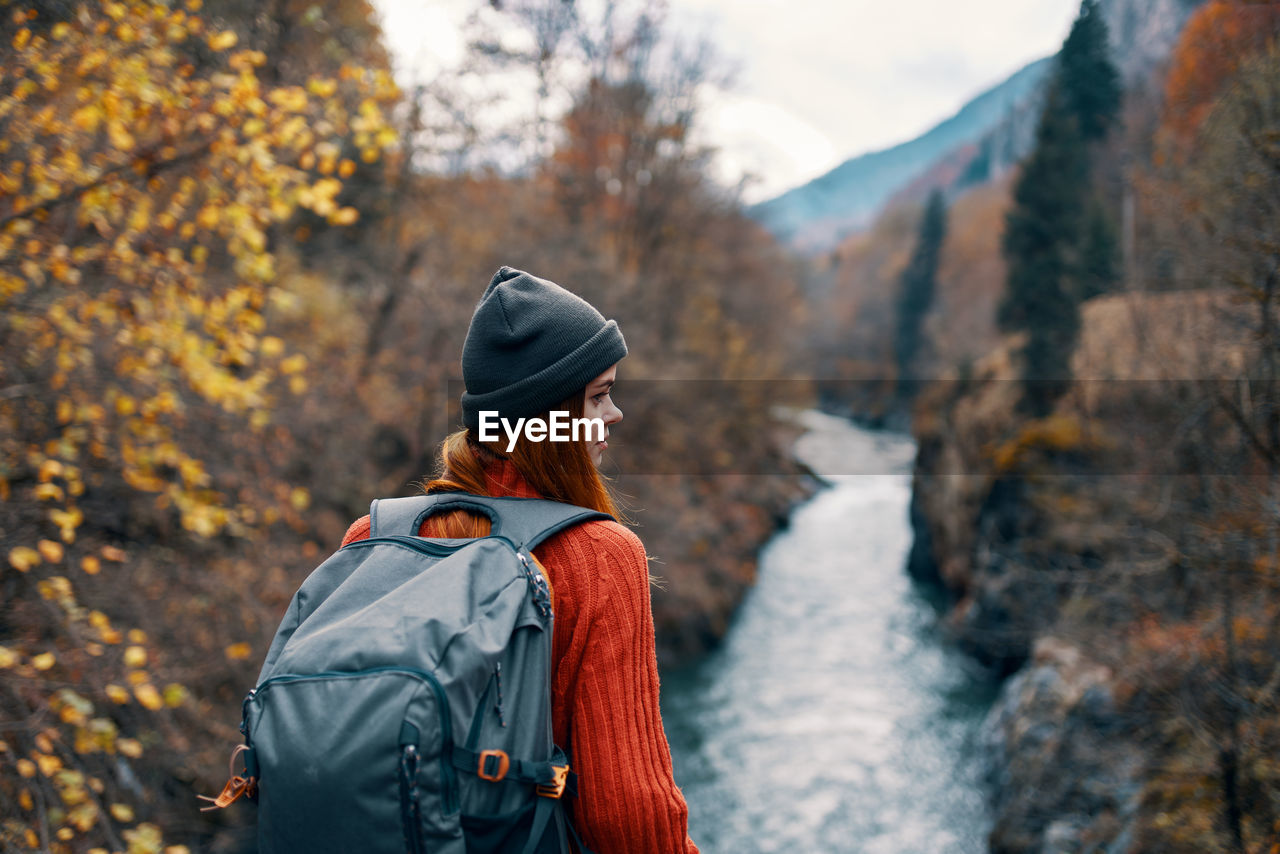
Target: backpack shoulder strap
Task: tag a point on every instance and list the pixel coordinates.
(525, 522)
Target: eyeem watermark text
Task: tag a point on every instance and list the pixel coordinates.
(559, 428)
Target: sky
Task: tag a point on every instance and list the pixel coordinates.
(816, 81)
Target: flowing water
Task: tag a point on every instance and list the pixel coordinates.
(833, 718)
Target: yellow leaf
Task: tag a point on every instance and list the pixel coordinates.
(50, 550)
(323, 88)
(8, 658)
(175, 695)
(293, 364)
(238, 651)
(344, 216)
(88, 117)
(22, 38)
(26, 768)
(24, 800)
(299, 498)
(43, 661)
(223, 40)
(121, 812)
(148, 696)
(83, 817)
(23, 558)
(90, 564)
(117, 695)
(135, 656)
(55, 588)
(49, 492)
(113, 554)
(67, 518)
(130, 747)
(49, 765)
(120, 136)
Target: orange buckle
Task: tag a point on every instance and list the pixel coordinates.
(504, 763)
(238, 785)
(235, 787)
(555, 788)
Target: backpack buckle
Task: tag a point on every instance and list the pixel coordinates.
(503, 765)
(555, 788)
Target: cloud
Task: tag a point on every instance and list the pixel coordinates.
(869, 74)
(818, 81)
(766, 143)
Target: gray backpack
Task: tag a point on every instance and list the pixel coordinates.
(405, 702)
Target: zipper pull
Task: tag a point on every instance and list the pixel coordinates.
(244, 712)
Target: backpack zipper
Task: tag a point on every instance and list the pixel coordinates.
(410, 812)
(419, 544)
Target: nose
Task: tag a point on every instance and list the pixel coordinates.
(614, 415)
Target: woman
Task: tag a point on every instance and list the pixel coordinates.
(532, 348)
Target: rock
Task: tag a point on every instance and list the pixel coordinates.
(1059, 781)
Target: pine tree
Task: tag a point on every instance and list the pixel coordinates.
(1097, 269)
(1039, 232)
(1090, 82)
(917, 285)
(1057, 243)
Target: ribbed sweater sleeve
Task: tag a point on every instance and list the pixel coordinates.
(605, 694)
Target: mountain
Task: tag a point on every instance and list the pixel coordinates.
(815, 216)
(980, 143)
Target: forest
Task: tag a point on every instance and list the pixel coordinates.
(237, 262)
(233, 303)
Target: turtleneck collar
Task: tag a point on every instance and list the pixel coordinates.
(504, 479)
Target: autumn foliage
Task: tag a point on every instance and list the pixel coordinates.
(233, 300)
(146, 173)
(1213, 42)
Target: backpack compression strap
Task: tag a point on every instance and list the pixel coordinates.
(524, 521)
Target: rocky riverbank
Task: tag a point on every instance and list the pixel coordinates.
(1077, 557)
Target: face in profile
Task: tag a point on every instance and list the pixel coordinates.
(598, 403)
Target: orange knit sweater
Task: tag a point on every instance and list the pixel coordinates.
(604, 691)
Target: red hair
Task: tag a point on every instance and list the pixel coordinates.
(561, 471)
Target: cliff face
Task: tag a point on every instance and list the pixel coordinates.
(816, 216)
(1052, 537)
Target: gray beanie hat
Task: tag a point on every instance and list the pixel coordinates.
(530, 345)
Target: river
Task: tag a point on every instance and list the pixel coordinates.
(833, 718)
